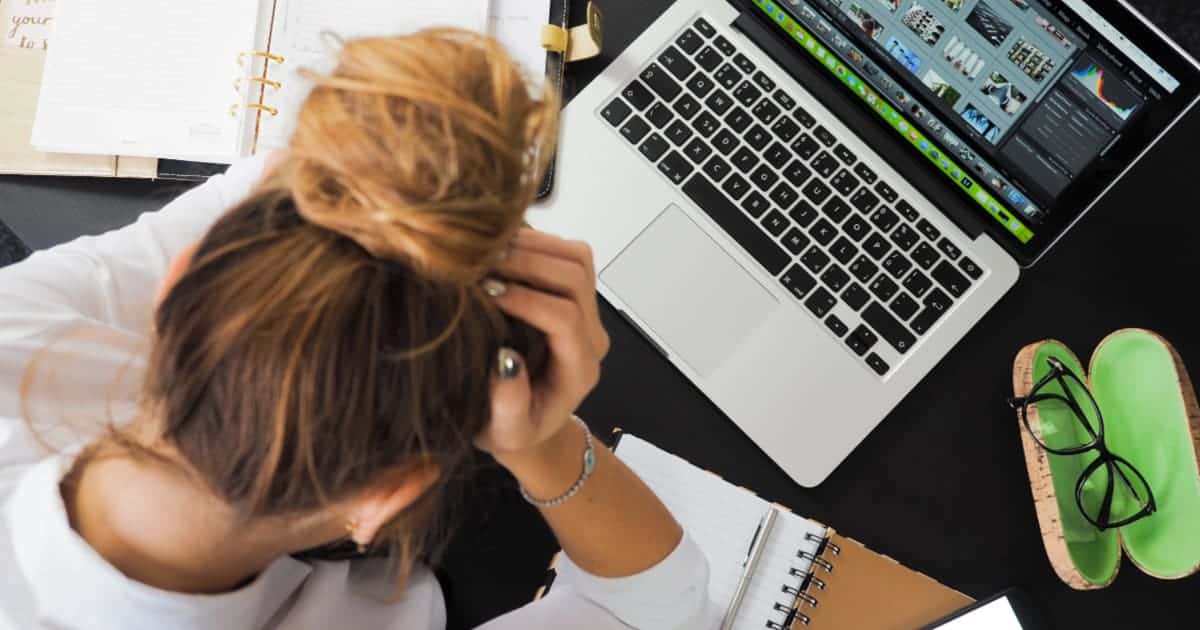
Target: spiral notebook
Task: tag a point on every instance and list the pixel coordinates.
(216, 80)
(807, 576)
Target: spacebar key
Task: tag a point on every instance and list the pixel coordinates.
(889, 328)
(737, 224)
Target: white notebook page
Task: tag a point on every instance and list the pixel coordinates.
(145, 78)
(721, 518)
(299, 37)
(518, 25)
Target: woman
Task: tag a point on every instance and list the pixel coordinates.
(330, 336)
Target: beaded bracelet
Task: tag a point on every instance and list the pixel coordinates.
(589, 464)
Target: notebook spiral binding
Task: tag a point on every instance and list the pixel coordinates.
(263, 82)
(800, 595)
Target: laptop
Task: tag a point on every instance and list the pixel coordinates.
(805, 204)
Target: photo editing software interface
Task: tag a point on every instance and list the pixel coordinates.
(1017, 98)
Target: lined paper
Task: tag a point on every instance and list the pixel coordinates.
(721, 518)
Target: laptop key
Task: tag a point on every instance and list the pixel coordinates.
(679, 133)
(757, 137)
(950, 279)
(719, 102)
(879, 365)
(725, 142)
(926, 319)
(855, 296)
(689, 42)
(700, 85)
(616, 112)
(805, 119)
(736, 186)
(845, 155)
(927, 228)
(866, 339)
(654, 147)
(785, 101)
(877, 246)
(756, 205)
(635, 129)
(905, 237)
(708, 58)
(775, 223)
(949, 249)
(814, 259)
(864, 200)
(704, 27)
(865, 173)
(717, 169)
(764, 82)
(805, 147)
(676, 167)
(784, 196)
(835, 278)
(697, 151)
(837, 210)
(939, 300)
(844, 250)
(836, 326)
(796, 241)
(844, 182)
(891, 330)
(798, 282)
(803, 213)
(925, 255)
(764, 177)
(825, 165)
(888, 193)
(785, 129)
(884, 219)
(883, 288)
(864, 269)
(637, 95)
(728, 76)
(724, 45)
(743, 63)
(676, 63)
(746, 94)
(796, 173)
(917, 283)
(817, 191)
(906, 210)
(659, 115)
(824, 136)
(744, 160)
(820, 302)
(734, 222)
(897, 264)
(904, 307)
(856, 228)
(686, 106)
(738, 120)
(705, 124)
(660, 83)
(969, 267)
(824, 232)
(777, 155)
(766, 111)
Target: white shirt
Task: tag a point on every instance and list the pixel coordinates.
(82, 312)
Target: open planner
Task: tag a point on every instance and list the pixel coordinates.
(216, 80)
(807, 574)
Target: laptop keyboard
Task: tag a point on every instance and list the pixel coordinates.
(842, 241)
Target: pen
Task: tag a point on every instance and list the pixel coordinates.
(752, 555)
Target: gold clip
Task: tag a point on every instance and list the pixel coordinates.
(233, 109)
(554, 38)
(258, 53)
(586, 41)
(237, 83)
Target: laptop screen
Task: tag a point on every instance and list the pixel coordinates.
(1030, 107)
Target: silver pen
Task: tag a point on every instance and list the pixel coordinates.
(752, 555)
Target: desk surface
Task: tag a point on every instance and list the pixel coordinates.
(940, 485)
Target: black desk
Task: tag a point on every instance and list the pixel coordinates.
(941, 484)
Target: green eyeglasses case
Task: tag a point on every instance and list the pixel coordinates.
(1151, 418)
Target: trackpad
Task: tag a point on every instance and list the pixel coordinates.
(696, 298)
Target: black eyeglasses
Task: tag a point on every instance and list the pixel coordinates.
(1058, 393)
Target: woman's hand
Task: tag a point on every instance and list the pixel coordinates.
(550, 283)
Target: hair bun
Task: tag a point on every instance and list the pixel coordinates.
(425, 149)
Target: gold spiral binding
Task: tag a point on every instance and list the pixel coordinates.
(260, 107)
(237, 83)
(800, 595)
(258, 53)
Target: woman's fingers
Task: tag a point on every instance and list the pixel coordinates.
(563, 276)
(560, 318)
(512, 399)
(577, 251)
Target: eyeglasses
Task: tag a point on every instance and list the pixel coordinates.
(1110, 491)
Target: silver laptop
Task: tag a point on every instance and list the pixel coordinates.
(805, 204)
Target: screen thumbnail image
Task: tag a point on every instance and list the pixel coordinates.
(865, 21)
(1035, 63)
(892, 5)
(954, 5)
(981, 123)
(1119, 99)
(1003, 93)
(941, 88)
(920, 20)
(963, 58)
(907, 58)
(989, 24)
